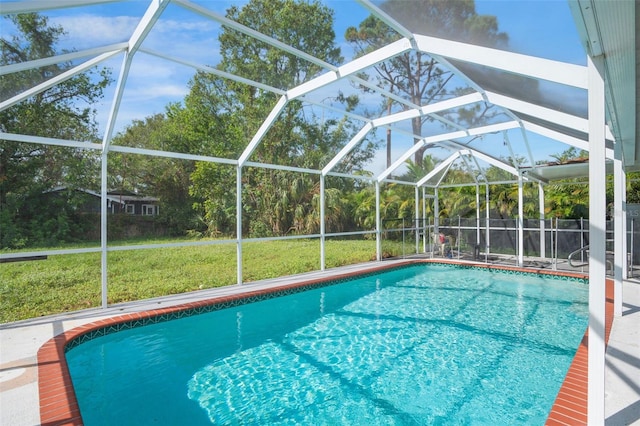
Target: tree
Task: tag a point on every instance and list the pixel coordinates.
(571, 155)
(633, 188)
(416, 76)
(168, 179)
(62, 111)
(416, 171)
(276, 202)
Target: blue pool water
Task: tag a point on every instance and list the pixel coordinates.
(426, 344)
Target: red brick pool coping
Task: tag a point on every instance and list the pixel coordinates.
(59, 406)
(570, 407)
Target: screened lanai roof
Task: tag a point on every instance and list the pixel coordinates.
(535, 100)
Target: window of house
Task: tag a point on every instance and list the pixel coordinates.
(130, 209)
(148, 209)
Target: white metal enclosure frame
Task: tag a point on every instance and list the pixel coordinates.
(524, 115)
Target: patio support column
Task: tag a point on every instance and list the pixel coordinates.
(487, 215)
(542, 224)
(619, 228)
(477, 216)
(322, 224)
(239, 223)
(425, 231)
(520, 222)
(417, 221)
(103, 228)
(378, 228)
(436, 211)
(597, 239)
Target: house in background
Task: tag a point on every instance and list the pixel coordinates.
(132, 203)
(117, 202)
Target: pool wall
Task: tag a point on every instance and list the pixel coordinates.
(58, 403)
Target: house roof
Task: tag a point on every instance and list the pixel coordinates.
(112, 196)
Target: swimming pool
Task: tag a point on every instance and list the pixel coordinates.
(424, 344)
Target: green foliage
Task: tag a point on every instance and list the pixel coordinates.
(307, 26)
(633, 188)
(567, 200)
(168, 179)
(570, 155)
(227, 115)
(62, 111)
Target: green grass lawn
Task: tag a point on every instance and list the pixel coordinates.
(64, 283)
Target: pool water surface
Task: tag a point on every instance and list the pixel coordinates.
(425, 344)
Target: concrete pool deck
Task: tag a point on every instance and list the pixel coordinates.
(20, 342)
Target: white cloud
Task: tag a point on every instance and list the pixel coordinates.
(172, 26)
(85, 30)
(157, 91)
(193, 40)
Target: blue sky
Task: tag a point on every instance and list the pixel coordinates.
(542, 28)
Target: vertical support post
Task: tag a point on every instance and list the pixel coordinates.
(403, 237)
(626, 262)
(103, 229)
(582, 244)
(477, 215)
(378, 224)
(631, 243)
(239, 223)
(619, 236)
(425, 228)
(555, 245)
(520, 222)
(417, 221)
(459, 234)
(488, 229)
(597, 240)
(322, 223)
(431, 242)
(436, 211)
(552, 245)
(543, 240)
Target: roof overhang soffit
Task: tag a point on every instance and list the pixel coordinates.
(609, 30)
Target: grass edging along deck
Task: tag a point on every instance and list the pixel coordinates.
(59, 406)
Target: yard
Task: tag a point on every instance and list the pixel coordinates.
(71, 282)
